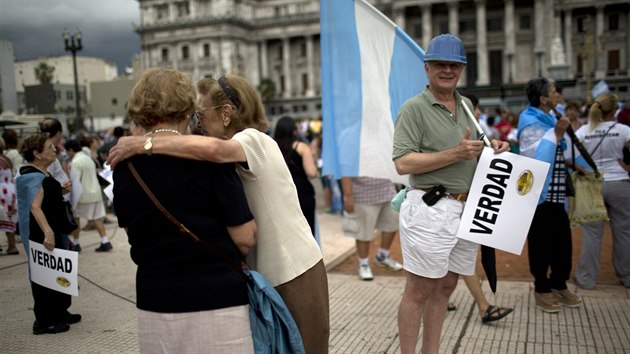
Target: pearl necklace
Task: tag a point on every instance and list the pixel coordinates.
(161, 130)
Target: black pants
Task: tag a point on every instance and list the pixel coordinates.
(51, 307)
(550, 247)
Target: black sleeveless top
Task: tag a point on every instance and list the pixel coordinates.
(305, 190)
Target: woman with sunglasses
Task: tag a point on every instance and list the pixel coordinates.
(189, 299)
(232, 116)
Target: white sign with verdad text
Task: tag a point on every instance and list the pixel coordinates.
(56, 270)
(502, 200)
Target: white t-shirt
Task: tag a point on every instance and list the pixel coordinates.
(610, 151)
(285, 247)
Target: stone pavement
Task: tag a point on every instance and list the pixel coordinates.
(363, 314)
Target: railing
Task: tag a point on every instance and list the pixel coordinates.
(617, 72)
(286, 10)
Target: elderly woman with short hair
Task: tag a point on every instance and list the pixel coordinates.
(41, 215)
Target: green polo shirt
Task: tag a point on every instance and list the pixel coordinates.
(426, 125)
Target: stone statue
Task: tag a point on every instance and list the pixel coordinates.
(558, 57)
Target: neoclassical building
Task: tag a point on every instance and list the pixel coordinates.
(508, 42)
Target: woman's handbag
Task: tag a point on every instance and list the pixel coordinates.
(587, 204)
(273, 328)
(69, 223)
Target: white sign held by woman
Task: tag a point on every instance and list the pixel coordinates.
(56, 270)
(502, 200)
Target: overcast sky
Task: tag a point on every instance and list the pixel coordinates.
(35, 27)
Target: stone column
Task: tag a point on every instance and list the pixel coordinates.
(172, 12)
(310, 70)
(193, 8)
(627, 45)
(264, 66)
(146, 56)
(196, 49)
(453, 18)
(568, 44)
(539, 35)
(286, 68)
(144, 12)
(174, 54)
(426, 26)
(220, 69)
(510, 41)
(399, 17)
(482, 44)
(599, 54)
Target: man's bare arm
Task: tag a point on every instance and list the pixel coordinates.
(193, 147)
(423, 162)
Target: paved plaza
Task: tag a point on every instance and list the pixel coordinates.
(363, 314)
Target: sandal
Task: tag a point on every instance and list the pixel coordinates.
(494, 313)
(451, 307)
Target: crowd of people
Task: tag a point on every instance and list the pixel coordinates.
(205, 155)
(39, 174)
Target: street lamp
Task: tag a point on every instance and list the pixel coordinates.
(73, 45)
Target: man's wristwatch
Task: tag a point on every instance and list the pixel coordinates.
(148, 145)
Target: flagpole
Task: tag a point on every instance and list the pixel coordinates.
(477, 126)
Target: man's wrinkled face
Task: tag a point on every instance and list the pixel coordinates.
(443, 74)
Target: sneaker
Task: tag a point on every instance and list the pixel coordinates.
(72, 318)
(365, 273)
(104, 247)
(76, 248)
(547, 302)
(56, 328)
(388, 263)
(567, 298)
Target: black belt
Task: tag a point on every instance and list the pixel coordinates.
(462, 197)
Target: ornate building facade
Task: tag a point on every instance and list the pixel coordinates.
(276, 43)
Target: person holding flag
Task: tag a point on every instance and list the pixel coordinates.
(541, 136)
(438, 146)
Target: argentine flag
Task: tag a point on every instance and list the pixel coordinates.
(370, 67)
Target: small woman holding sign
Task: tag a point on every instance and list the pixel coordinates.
(42, 215)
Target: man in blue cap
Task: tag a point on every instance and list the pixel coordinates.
(438, 146)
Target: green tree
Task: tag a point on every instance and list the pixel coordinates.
(44, 73)
(267, 89)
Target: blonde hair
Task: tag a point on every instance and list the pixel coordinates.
(249, 111)
(604, 104)
(161, 95)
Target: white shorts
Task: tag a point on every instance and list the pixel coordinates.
(427, 237)
(373, 216)
(90, 211)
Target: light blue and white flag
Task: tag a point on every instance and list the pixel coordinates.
(370, 67)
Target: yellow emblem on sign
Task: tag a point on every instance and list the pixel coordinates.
(63, 282)
(525, 182)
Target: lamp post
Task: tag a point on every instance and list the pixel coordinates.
(73, 45)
